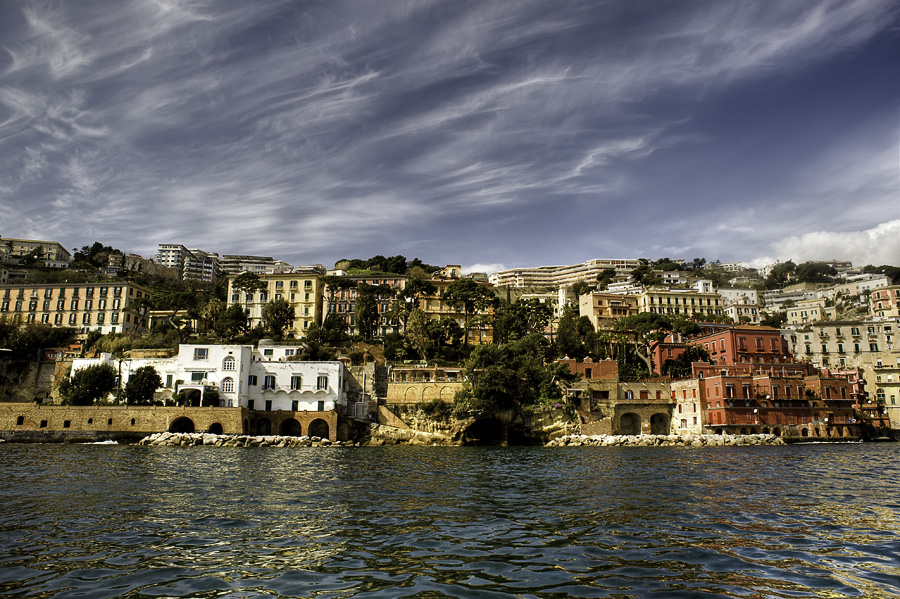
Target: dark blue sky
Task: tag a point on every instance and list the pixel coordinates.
(491, 134)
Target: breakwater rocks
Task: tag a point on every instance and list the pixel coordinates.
(192, 439)
(664, 440)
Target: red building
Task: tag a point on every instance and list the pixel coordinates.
(741, 344)
(790, 400)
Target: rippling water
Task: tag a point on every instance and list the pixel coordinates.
(132, 521)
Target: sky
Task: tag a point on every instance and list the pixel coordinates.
(488, 134)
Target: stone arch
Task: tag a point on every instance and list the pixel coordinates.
(754, 431)
(804, 432)
(182, 424)
(343, 431)
(410, 395)
(743, 431)
(765, 430)
(215, 428)
(290, 427)
(193, 397)
(630, 424)
(318, 428)
(776, 431)
(263, 426)
(430, 394)
(720, 431)
(447, 394)
(659, 424)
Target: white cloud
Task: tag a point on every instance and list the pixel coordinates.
(878, 245)
(488, 268)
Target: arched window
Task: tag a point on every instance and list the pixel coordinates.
(228, 384)
(228, 363)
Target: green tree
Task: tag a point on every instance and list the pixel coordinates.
(780, 275)
(471, 296)
(88, 385)
(520, 318)
(409, 297)
(141, 386)
(416, 332)
(233, 322)
(606, 276)
(813, 272)
(367, 313)
(568, 340)
(278, 314)
(643, 274)
(650, 329)
(885, 269)
(680, 367)
(580, 288)
(248, 282)
(774, 319)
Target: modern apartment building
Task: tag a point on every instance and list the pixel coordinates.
(302, 288)
(104, 307)
(232, 264)
(553, 276)
(193, 264)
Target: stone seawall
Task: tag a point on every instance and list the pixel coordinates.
(193, 439)
(664, 440)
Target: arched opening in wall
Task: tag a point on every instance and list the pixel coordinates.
(754, 431)
(776, 431)
(182, 425)
(765, 430)
(263, 426)
(215, 429)
(487, 431)
(720, 431)
(289, 428)
(743, 431)
(659, 424)
(447, 394)
(343, 431)
(630, 424)
(410, 396)
(193, 397)
(804, 432)
(318, 428)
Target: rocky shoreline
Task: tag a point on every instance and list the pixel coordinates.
(208, 439)
(665, 440)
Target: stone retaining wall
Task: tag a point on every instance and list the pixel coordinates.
(664, 440)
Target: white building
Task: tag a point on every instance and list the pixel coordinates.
(258, 378)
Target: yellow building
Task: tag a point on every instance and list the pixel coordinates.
(604, 309)
(104, 307)
(683, 302)
(52, 252)
(302, 288)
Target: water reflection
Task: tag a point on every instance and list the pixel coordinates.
(120, 521)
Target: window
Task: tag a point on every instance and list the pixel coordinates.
(268, 405)
(289, 352)
(250, 404)
(322, 382)
(228, 385)
(295, 405)
(296, 381)
(320, 406)
(251, 380)
(201, 353)
(196, 377)
(269, 382)
(169, 381)
(268, 352)
(86, 318)
(228, 363)
(114, 318)
(73, 318)
(100, 318)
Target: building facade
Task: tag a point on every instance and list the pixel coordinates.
(104, 307)
(303, 289)
(604, 309)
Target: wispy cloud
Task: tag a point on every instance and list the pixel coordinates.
(464, 131)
